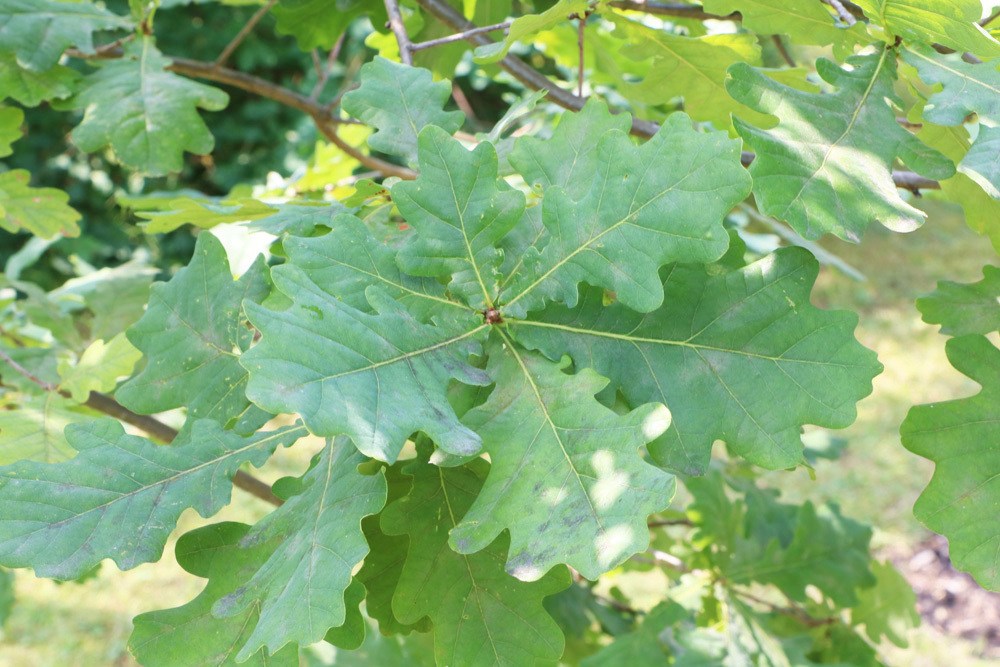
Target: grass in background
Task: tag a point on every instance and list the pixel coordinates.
(876, 480)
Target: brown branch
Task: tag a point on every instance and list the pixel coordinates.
(244, 32)
(458, 36)
(793, 611)
(660, 523)
(783, 50)
(158, 430)
(990, 19)
(399, 30)
(534, 80)
(842, 11)
(580, 37)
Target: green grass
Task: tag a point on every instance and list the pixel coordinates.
(877, 480)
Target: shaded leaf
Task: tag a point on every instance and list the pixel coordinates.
(457, 234)
(965, 308)
(741, 357)
(827, 166)
(192, 334)
(889, 608)
(120, 496)
(190, 635)
(648, 205)
(961, 437)
(146, 114)
(99, 367)
(298, 590)
(320, 23)
(32, 426)
(343, 370)
(11, 119)
(38, 31)
(567, 479)
(399, 101)
(480, 613)
(529, 24)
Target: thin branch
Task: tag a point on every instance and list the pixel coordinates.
(990, 19)
(244, 32)
(399, 30)
(783, 50)
(329, 129)
(534, 80)
(792, 611)
(845, 16)
(580, 37)
(458, 36)
(323, 73)
(660, 523)
(152, 426)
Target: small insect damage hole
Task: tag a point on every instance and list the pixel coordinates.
(492, 316)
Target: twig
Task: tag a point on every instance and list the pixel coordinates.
(660, 523)
(580, 36)
(793, 611)
(845, 16)
(323, 73)
(154, 427)
(244, 31)
(783, 50)
(990, 19)
(399, 30)
(534, 80)
(458, 36)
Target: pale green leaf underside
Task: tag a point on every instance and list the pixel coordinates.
(480, 614)
(32, 425)
(63, 519)
(38, 31)
(460, 210)
(961, 437)
(741, 357)
(190, 634)
(399, 101)
(528, 25)
(567, 478)
(192, 334)
(99, 367)
(41, 211)
(146, 114)
(965, 308)
(299, 589)
(827, 166)
(953, 23)
(203, 214)
(345, 371)
(649, 205)
(982, 162)
(804, 21)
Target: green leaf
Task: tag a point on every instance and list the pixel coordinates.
(31, 88)
(460, 210)
(528, 25)
(827, 166)
(982, 162)
(480, 614)
(648, 205)
(319, 23)
(348, 259)
(569, 158)
(190, 634)
(567, 479)
(120, 496)
(11, 119)
(31, 427)
(298, 590)
(38, 31)
(192, 335)
(965, 308)
(99, 367)
(741, 357)
(399, 101)
(377, 378)
(202, 214)
(642, 646)
(961, 436)
(889, 608)
(828, 552)
(952, 23)
(966, 88)
(690, 67)
(41, 211)
(146, 114)
(805, 21)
